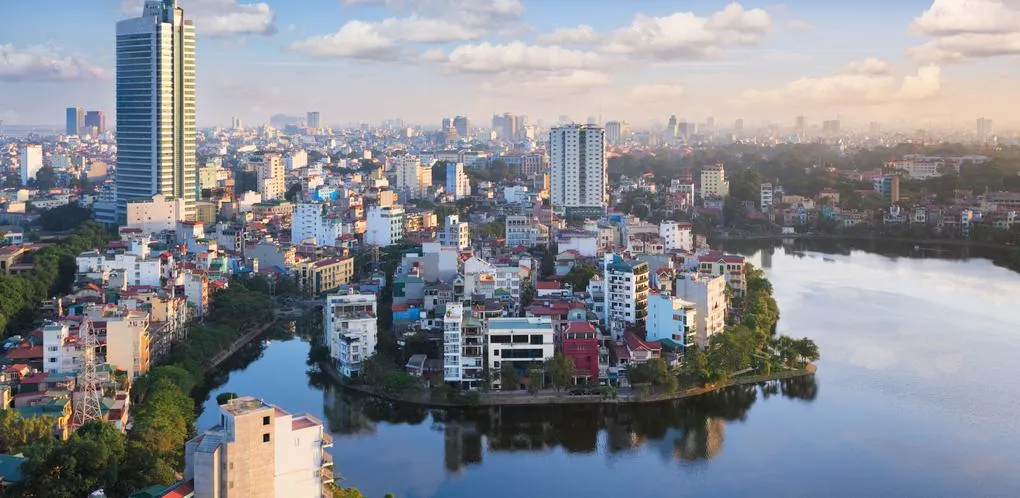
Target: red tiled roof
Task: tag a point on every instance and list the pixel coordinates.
(29, 353)
(634, 343)
(548, 286)
(182, 490)
(579, 327)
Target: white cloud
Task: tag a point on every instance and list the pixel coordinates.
(967, 29)
(799, 25)
(851, 89)
(427, 30)
(220, 18)
(354, 40)
(869, 66)
(441, 21)
(684, 35)
(581, 34)
(518, 56)
(657, 92)
(569, 83)
(44, 64)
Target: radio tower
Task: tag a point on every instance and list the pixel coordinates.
(88, 409)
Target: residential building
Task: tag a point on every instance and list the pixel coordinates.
(31, 161)
(125, 333)
(196, 292)
(580, 343)
(729, 266)
(767, 196)
(455, 233)
(135, 265)
(296, 160)
(413, 177)
(676, 235)
(714, 182)
(525, 231)
(579, 185)
(312, 221)
(626, 293)
(324, 275)
(708, 293)
(453, 340)
(261, 451)
(384, 225)
(351, 333)
(522, 342)
(62, 352)
(920, 168)
(671, 319)
(156, 106)
(270, 177)
(155, 214)
(457, 183)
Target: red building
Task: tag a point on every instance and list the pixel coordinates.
(581, 344)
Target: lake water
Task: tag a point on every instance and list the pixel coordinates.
(917, 394)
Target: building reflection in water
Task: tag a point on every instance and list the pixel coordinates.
(684, 431)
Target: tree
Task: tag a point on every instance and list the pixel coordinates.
(528, 292)
(46, 178)
(548, 266)
(537, 377)
(561, 371)
(66, 217)
(293, 192)
(224, 398)
(579, 276)
(17, 433)
(508, 377)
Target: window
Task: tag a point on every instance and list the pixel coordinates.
(265, 438)
(265, 420)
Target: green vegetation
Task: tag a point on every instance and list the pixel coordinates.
(17, 433)
(163, 415)
(508, 377)
(66, 217)
(560, 370)
(579, 276)
(54, 273)
(654, 373)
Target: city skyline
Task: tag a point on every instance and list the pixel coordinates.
(919, 62)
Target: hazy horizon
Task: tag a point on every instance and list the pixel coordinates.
(912, 63)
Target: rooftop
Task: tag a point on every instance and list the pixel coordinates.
(244, 405)
(532, 323)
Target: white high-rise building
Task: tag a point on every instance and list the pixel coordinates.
(413, 177)
(296, 160)
(677, 235)
(613, 132)
(457, 182)
(156, 106)
(31, 162)
(311, 220)
(714, 182)
(453, 321)
(270, 177)
(351, 332)
(708, 294)
(626, 293)
(455, 233)
(578, 177)
(384, 225)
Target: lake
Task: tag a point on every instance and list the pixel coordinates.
(917, 394)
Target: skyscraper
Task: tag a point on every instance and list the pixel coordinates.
(313, 120)
(614, 132)
(95, 119)
(984, 127)
(463, 127)
(75, 120)
(579, 182)
(156, 106)
(31, 160)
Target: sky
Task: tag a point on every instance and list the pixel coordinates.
(924, 63)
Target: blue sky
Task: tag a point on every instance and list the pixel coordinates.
(901, 62)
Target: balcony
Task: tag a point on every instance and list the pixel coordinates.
(327, 459)
(327, 440)
(326, 474)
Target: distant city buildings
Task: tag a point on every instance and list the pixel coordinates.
(75, 121)
(270, 177)
(457, 182)
(313, 120)
(579, 185)
(31, 160)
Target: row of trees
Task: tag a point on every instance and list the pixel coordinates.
(53, 273)
(163, 415)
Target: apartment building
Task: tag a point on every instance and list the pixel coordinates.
(708, 293)
(626, 293)
(62, 352)
(522, 342)
(324, 275)
(676, 236)
(384, 225)
(270, 177)
(313, 221)
(125, 333)
(729, 266)
(579, 184)
(260, 451)
(525, 231)
(671, 319)
(412, 177)
(713, 181)
(455, 233)
(349, 321)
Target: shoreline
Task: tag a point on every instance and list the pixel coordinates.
(865, 238)
(523, 398)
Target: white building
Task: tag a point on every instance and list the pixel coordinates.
(457, 182)
(585, 243)
(296, 160)
(31, 159)
(919, 169)
(453, 340)
(259, 449)
(525, 231)
(137, 267)
(522, 342)
(270, 177)
(671, 318)
(708, 294)
(62, 352)
(413, 177)
(384, 225)
(676, 235)
(767, 196)
(626, 293)
(311, 221)
(455, 233)
(349, 321)
(714, 182)
(156, 106)
(487, 279)
(578, 170)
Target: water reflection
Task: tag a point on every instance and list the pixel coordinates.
(684, 430)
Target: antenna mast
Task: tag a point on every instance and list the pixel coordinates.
(89, 408)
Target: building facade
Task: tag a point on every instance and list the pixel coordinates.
(156, 106)
(324, 275)
(457, 183)
(713, 181)
(351, 333)
(708, 294)
(521, 342)
(626, 293)
(31, 161)
(671, 319)
(579, 185)
(455, 233)
(270, 177)
(384, 225)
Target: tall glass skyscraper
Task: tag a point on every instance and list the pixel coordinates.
(156, 106)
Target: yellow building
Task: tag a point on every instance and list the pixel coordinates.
(127, 342)
(205, 211)
(324, 275)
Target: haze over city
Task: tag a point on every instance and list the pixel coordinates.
(908, 63)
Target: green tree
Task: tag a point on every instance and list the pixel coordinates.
(46, 178)
(528, 292)
(164, 421)
(17, 433)
(224, 398)
(579, 276)
(509, 379)
(560, 369)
